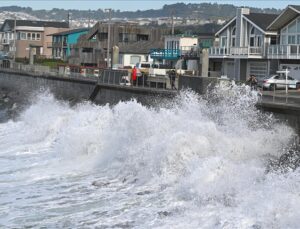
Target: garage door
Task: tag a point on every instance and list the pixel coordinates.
(229, 71)
(259, 69)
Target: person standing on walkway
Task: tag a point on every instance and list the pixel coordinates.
(172, 76)
(134, 76)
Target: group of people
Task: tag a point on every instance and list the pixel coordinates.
(135, 72)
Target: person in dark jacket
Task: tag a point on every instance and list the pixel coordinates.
(172, 76)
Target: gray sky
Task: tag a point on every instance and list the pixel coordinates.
(134, 5)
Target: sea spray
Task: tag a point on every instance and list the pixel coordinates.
(192, 162)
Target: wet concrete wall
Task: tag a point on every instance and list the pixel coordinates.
(23, 86)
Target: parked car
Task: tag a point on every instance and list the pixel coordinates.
(279, 82)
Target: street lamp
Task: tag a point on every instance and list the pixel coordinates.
(108, 36)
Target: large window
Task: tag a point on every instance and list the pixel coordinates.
(233, 36)
(23, 36)
(290, 35)
(223, 41)
(135, 59)
(255, 40)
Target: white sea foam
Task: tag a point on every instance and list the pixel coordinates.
(190, 163)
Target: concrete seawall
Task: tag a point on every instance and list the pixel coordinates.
(78, 89)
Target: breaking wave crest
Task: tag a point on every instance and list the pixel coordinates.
(189, 163)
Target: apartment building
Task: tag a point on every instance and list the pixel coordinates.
(241, 46)
(131, 44)
(20, 37)
(287, 50)
(62, 42)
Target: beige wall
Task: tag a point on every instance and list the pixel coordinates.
(22, 47)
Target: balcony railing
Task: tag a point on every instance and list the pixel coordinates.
(5, 41)
(56, 44)
(165, 54)
(236, 51)
(169, 54)
(284, 52)
(219, 51)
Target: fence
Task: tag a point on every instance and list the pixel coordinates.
(279, 93)
(102, 76)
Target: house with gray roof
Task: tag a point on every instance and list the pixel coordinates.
(241, 46)
(287, 50)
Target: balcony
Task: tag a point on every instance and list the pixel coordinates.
(168, 54)
(5, 41)
(173, 54)
(57, 44)
(236, 52)
(284, 52)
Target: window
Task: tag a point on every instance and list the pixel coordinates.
(223, 41)
(291, 39)
(291, 33)
(22, 36)
(251, 41)
(127, 37)
(233, 36)
(273, 40)
(103, 36)
(258, 41)
(28, 36)
(33, 36)
(292, 27)
(89, 50)
(135, 59)
(38, 36)
(142, 37)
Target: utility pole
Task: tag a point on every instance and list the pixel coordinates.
(108, 37)
(15, 37)
(172, 20)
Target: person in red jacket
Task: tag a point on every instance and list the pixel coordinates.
(134, 76)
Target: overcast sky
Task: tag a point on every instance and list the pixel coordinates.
(134, 5)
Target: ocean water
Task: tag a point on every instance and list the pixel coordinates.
(190, 163)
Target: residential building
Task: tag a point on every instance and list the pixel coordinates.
(131, 44)
(175, 47)
(183, 51)
(29, 36)
(241, 46)
(286, 51)
(62, 42)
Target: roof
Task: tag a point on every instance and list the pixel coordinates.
(262, 20)
(287, 15)
(53, 24)
(141, 47)
(70, 32)
(295, 7)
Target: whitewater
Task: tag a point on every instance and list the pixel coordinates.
(190, 162)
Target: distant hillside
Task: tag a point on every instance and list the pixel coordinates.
(191, 10)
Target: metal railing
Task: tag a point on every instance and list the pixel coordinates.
(122, 78)
(284, 51)
(280, 93)
(236, 51)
